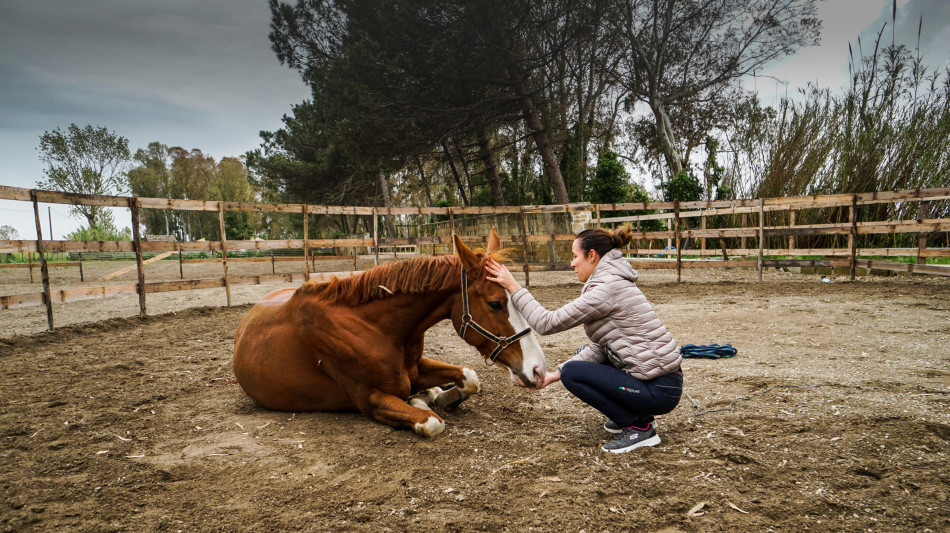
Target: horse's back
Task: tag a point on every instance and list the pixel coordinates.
(264, 315)
(273, 365)
(278, 297)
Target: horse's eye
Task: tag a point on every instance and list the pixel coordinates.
(496, 305)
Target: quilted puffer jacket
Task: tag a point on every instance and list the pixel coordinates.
(618, 319)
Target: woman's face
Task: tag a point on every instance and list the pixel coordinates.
(583, 264)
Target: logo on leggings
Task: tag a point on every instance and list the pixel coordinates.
(625, 389)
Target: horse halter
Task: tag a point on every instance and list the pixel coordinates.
(468, 322)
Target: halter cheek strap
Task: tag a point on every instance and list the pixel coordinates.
(468, 322)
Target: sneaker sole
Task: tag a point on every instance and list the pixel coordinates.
(652, 441)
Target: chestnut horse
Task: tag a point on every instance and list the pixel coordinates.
(356, 343)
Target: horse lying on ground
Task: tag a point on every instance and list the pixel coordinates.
(356, 343)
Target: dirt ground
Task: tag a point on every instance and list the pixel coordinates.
(832, 417)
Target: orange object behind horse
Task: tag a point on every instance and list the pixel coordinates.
(356, 343)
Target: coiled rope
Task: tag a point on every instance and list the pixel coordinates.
(707, 351)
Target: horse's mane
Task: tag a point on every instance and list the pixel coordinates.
(416, 275)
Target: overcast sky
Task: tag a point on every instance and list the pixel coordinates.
(201, 74)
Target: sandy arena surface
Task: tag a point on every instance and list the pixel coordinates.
(834, 416)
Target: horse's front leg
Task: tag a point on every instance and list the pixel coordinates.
(394, 411)
(433, 373)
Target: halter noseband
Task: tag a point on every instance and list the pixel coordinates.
(468, 322)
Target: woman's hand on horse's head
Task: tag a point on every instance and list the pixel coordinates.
(500, 274)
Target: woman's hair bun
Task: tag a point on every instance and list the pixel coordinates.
(622, 236)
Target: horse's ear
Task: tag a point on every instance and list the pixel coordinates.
(494, 243)
(466, 255)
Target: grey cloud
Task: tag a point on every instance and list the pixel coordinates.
(196, 74)
(931, 17)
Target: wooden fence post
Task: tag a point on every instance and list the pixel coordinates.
(452, 229)
(702, 241)
(640, 241)
(181, 267)
(375, 237)
(669, 226)
(791, 238)
(306, 237)
(224, 252)
(524, 248)
(137, 246)
(676, 235)
(853, 236)
(552, 246)
(44, 268)
(761, 233)
(922, 237)
(743, 220)
(81, 276)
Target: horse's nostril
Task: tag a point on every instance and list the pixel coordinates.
(538, 374)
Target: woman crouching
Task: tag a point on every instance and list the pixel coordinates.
(630, 371)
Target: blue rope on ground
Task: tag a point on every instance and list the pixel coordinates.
(707, 351)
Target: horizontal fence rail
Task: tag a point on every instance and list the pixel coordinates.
(540, 234)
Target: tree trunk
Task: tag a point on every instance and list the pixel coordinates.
(464, 165)
(664, 130)
(490, 168)
(387, 203)
(455, 173)
(425, 182)
(533, 122)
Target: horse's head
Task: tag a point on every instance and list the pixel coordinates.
(491, 320)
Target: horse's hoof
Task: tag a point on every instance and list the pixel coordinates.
(449, 400)
(419, 401)
(470, 385)
(430, 428)
(432, 394)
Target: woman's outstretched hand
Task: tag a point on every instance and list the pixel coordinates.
(549, 378)
(500, 274)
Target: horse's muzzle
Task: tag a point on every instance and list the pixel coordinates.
(520, 379)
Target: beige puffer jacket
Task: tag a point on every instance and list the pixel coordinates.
(615, 313)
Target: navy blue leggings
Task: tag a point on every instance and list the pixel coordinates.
(623, 398)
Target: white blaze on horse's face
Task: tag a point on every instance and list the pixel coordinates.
(533, 364)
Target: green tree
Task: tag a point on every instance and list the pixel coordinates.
(192, 176)
(681, 52)
(712, 171)
(96, 233)
(151, 178)
(232, 185)
(611, 182)
(404, 77)
(88, 160)
(685, 187)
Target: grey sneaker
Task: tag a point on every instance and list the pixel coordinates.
(614, 427)
(632, 438)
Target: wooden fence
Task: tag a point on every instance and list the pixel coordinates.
(526, 229)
